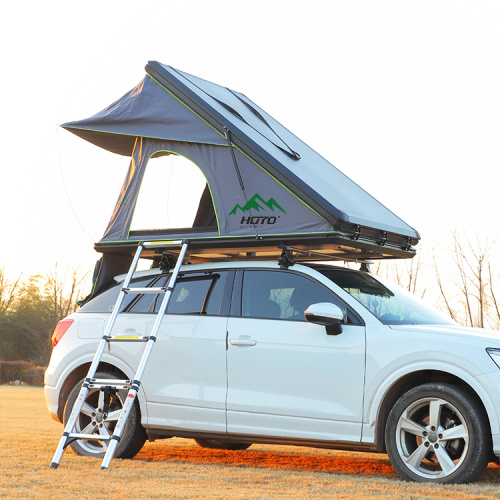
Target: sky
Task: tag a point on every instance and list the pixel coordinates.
(401, 96)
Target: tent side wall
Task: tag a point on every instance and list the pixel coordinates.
(263, 207)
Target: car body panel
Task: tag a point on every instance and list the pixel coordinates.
(272, 378)
(299, 375)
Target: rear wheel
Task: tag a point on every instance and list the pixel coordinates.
(221, 444)
(438, 433)
(93, 420)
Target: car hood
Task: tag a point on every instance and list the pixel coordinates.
(491, 336)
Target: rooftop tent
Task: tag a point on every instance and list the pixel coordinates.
(261, 185)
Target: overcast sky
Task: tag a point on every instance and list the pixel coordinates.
(401, 96)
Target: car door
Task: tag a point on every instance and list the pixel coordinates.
(185, 379)
(287, 377)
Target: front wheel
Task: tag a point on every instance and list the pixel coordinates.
(437, 432)
(93, 420)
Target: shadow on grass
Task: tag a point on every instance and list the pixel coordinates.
(268, 460)
(372, 465)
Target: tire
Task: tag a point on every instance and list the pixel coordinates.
(133, 437)
(221, 444)
(438, 433)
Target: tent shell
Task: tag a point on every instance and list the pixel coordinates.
(248, 138)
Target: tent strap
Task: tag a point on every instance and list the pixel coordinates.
(226, 132)
(230, 145)
(291, 153)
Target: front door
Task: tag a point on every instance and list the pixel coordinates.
(287, 377)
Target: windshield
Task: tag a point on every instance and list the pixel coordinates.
(392, 306)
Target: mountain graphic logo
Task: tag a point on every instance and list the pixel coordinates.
(258, 204)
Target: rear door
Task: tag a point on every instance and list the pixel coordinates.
(287, 377)
(185, 378)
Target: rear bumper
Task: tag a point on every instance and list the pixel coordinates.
(51, 399)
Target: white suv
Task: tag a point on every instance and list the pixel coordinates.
(312, 355)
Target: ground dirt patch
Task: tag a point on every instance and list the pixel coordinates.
(178, 468)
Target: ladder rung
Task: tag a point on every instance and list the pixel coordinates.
(145, 290)
(106, 382)
(164, 244)
(118, 387)
(109, 381)
(127, 338)
(94, 437)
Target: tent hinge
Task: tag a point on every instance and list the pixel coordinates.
(383, 241)
(408, 244)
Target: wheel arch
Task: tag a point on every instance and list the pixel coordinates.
(416, 378)
(75, 376)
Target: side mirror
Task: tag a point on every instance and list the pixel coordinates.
(326, 314)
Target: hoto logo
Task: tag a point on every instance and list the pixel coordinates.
(258, 204)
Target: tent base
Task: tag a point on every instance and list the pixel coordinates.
(333, 247)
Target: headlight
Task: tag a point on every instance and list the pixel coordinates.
(494, 355)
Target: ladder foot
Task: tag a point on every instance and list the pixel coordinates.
(103, 468)
(54, 465)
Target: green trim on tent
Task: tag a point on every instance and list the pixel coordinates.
(144, 136)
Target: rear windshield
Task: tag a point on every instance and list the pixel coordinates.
(389, 303)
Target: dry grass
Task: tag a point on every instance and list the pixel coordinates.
(178, 468)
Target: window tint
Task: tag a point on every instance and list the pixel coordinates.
(196, 294)
(282, 295)
(193, 294)
(105, 301)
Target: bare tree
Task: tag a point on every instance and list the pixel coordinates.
(8, 291)
(451, 312)
(471, 262)
(493, 297)
(64, 291)
(469, 295)
(405, 273)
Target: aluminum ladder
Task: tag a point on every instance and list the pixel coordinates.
(91, 382)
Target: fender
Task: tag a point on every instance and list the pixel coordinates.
(78, 359)
(462, 370)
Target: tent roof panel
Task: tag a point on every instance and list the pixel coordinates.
(257, 134)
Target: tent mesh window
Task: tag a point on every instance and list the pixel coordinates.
(174, 194)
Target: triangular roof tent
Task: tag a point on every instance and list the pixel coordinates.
(265, 187)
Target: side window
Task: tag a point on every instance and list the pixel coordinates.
(196, 294)
(105, 301)
(281, 295)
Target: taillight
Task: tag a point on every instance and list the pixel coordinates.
(61, 329)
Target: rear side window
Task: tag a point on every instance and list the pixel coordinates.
(104, 302)
(193, 294)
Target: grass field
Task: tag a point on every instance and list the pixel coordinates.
(178, 468)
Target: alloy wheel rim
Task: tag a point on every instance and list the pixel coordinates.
(92, 420)
(432, 438)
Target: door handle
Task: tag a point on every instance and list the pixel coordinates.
(243, 342)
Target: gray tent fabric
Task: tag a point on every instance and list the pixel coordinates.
(265, 207)
(262, 181)
(148, 110)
